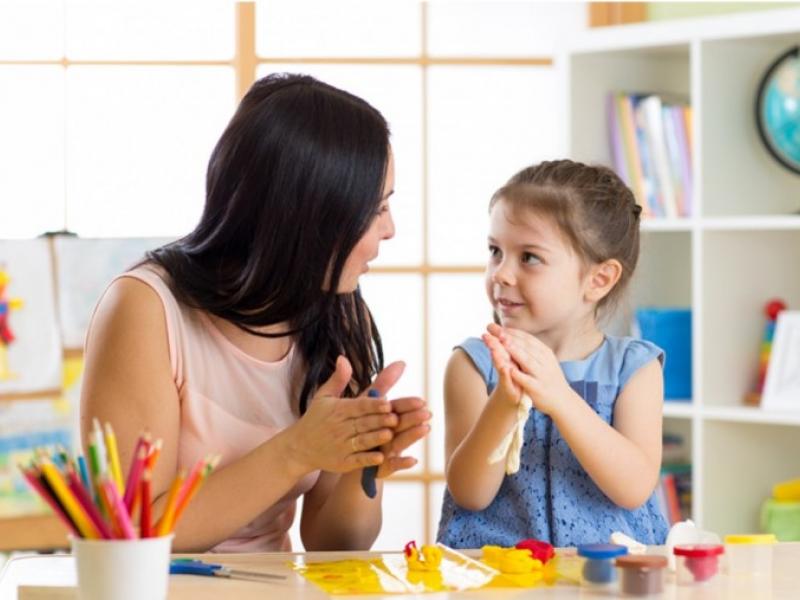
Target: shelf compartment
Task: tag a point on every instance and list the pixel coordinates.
(742, 271)
(742, 461)
(740, 177)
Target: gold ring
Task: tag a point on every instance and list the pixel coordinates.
(353, 443)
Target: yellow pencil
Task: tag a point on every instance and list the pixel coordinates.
(76, 512)
(165, 524)
(113, 458)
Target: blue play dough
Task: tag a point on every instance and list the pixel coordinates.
(598, 571)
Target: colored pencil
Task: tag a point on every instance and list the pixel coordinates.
(145, 521)
(164, 524)
(113, 458)
(36, 483)
(118, 508)
(135, 474)
(68, 500)
(86, 502)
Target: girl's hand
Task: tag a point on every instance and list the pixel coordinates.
(412, 422)
(342, 434)
(504, 364)
(539, 372)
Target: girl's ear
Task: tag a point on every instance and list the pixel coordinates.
(602, 279)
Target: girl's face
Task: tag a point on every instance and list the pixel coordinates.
(381, 228)
(534, 279)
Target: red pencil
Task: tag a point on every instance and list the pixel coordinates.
(135, 474)
(145, 522)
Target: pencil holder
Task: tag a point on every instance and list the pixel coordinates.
(122, 569)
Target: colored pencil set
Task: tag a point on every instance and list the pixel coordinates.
(93, 501)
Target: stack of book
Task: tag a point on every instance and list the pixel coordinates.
(651, 146)
(675, 486)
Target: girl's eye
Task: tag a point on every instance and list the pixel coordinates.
(382, 209)
(530, 259)
(494, 251)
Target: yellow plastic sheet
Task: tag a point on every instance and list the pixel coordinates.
(389, 574)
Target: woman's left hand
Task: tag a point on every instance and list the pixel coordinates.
(539, 372)
(412, 425)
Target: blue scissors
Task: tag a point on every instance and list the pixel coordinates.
(191, 566)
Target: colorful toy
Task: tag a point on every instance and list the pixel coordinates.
(539, 550)
(6, 335)
(641, 575)
(771, 310)
(429, 558)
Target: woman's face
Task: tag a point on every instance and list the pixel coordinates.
(381, 228)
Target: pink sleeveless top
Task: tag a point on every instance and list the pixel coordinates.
(230, 404)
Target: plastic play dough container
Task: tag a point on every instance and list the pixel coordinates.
(749, 555)
(641, 575)
(598, 568)
(697, 563)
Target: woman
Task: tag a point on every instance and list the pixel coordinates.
(249, 337)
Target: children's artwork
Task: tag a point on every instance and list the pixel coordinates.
(30, 346)
(24, 426)
(782, 387)
(85, 268)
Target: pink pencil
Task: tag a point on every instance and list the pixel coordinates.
(132, 485)
(83, 497)
(36, 483)
(120, 512)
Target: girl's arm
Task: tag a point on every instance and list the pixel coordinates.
(475, 426)
(627, 468)
(128, 382)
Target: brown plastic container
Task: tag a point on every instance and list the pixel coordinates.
(641, 574)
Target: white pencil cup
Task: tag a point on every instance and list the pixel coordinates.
(122, 569)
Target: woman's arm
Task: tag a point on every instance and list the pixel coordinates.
(337, 514)
(476, 424)
(128, 382)
(632, 445)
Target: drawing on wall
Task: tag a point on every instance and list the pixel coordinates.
(85, 268)
(782, 387)
(32, 355)
(7, 305)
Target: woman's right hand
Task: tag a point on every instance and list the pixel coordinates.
(340, 434)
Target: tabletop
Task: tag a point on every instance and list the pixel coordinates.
(52, 577)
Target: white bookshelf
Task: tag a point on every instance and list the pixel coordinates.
(740, 247)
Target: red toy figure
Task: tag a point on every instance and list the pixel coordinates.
(539, 550)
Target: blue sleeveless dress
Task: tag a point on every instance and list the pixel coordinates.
(551, 497)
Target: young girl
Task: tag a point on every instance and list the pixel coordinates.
(563, 244)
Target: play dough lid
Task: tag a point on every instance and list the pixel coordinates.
(599, 551)
(698, 550)
(757, 538)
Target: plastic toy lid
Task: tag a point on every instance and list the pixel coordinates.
(642, 561)
(759, 538)
(601, 550)
(698, 550)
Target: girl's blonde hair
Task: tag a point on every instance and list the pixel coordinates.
(593, 208)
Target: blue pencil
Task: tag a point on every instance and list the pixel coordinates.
(85, 476)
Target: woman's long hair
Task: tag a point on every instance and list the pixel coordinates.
(292, 185)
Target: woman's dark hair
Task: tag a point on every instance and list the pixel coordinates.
(292, 185)
(590, 204)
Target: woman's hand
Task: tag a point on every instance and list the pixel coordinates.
(536, 370)
(341, 434)
(412, 424)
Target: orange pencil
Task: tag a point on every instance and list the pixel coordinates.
(152, 457)
(199, 474)
(163, 526)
